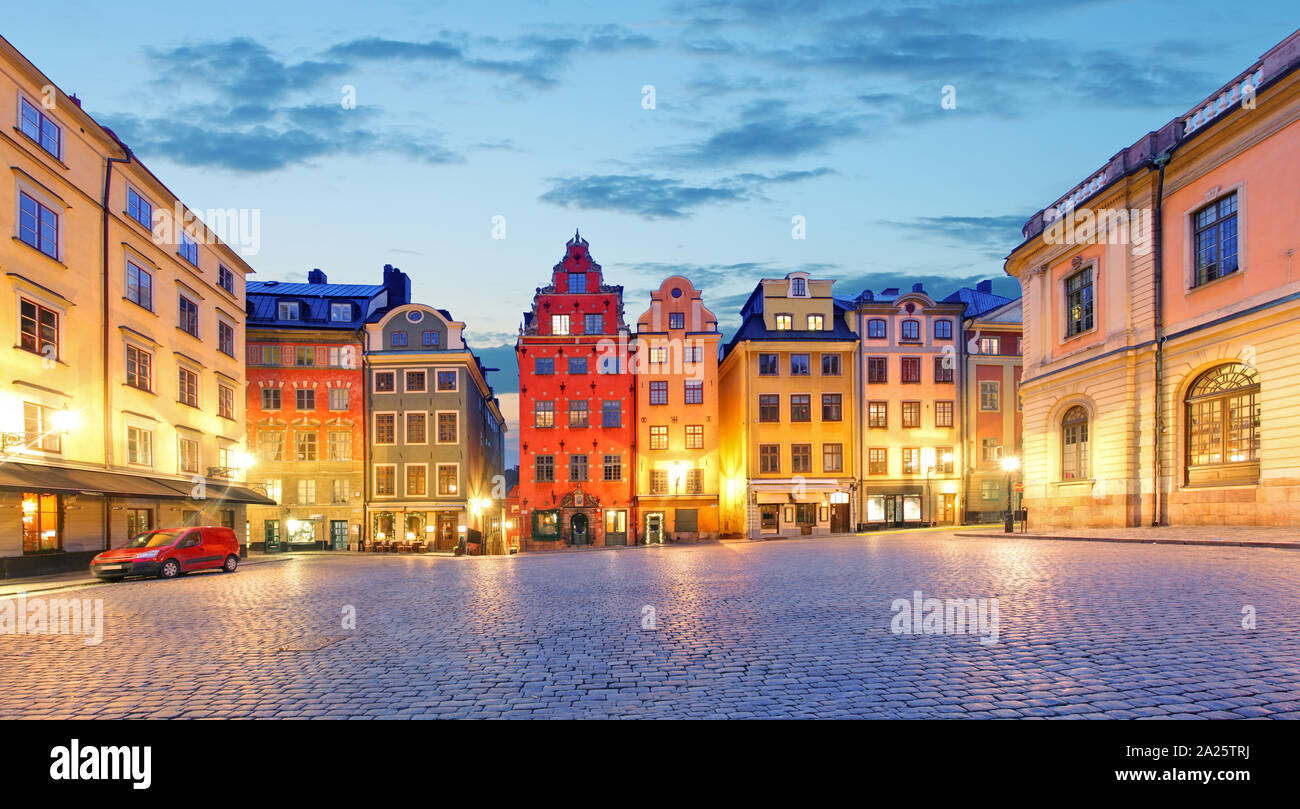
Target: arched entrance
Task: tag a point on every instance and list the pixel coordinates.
(578, 529)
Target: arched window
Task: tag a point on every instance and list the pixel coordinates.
(1223, 426)
(1074, 444)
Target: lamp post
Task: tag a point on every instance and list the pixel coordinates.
(1010, 464)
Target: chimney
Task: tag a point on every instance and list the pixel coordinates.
(316, 277)
(890, 292)
(984, 286)
(918, 287)
(398, 286)
(73, 98)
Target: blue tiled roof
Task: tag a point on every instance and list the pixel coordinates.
(264, 297)
(753, 328)
(977, 303)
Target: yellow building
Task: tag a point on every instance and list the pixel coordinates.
(677, 415)
(121, 406)
(789, 425)
(1161, 303)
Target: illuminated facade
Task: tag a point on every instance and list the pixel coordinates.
(992, 418)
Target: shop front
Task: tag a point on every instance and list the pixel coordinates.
(816, 509)
(420, 531)
(894, 507)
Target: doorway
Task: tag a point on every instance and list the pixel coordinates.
(339, 535)
(654, 528)
(578, 525)
(446, 531)
(947, 509)
(839, 518)
(805, 514)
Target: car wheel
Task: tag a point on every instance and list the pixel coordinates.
(232, 562)
(170, 569)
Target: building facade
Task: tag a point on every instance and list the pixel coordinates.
(993, 420)
(909, 408)
(306, 407)
(436, 436)
(787, 412)
(1160, 311)
(120, 402)
(576, 411)
(676, 373)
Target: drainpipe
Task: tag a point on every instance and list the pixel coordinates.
(1157, 227)
(363, 335)
(107, 407)
(959, 376)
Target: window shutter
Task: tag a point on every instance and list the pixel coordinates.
(322, 356)
(254, 354)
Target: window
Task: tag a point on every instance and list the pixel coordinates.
(304, 445)
(800, 458)
(577, 282)
(340, 445)
(800, 407)
(1074, 444)
(544, 366)
(659, 392)
(784, 322)
(1215, 227)
(340, 312)
(385, 480)
(559, 324)
(138, 520)
(877, 370)
(339, 398)
(225, 401)
(225, 278)
(769, 365)
(593, 324)
(990, 396)
(990, 490)
(692, 355)
(943, 329)
(225, 338)
(911, 414)
(943, 414)
(607, 364)
(910, 370)
(448, 479)
(910, 331)
(611, 413)
(878, 461)
(878, 414)
(38, 428)
(798, 287)
(658, 436)
(544, 414)
(943, 369)
(187, 315)
(830, 364)
(397, 339)
(694, 485)
(695, 436)
(694, 393)
(304, 399)
(769, 407)
(416, 381)
(578, 468)
(832, 457)
(613, 467)
(659, 481)
(832, 407)
(270, 398)
(1078, 303)
(288, 310)
(42, 526)
(270, 355)
(385, 428)
(990, 449)
(448, 428)
(816, 322)
(1223, 420)
(38, 225)
(338, 491)
(800, 365)
(306, 492)
(139, 446)
(429, 338)
(417, 480)
(139, 285)
(769, 458)
(187, 387)
(545, 468)
(417, 427)
(943, 460)
(676, 320)
(658, 355)
(41, 128)
(876, 328)
(385, 381)
(304, 356)
(578, 413)
(577, 365)
(447, 381)
(187, 247)
(990, 345)
(139, 368)
(911, 460)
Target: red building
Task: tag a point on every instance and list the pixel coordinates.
(992, 419)
(576, 419)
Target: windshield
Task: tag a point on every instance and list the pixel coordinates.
(154, 539)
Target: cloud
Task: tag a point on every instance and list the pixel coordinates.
(767, 129)
(652, 197)
(992, 234)
(239, 70)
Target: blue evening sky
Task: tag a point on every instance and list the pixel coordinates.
(764, 110)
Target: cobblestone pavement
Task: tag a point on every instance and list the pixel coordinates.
(797, 628)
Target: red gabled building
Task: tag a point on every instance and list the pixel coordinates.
(576, 419)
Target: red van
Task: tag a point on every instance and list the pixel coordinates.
(170, 552)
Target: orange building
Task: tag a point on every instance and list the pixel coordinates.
(1161, 303)
(677, 415)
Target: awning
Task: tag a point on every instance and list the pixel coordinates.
(30, 477)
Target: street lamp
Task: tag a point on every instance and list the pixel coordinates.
(1010, 463)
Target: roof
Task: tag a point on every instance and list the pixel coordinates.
(263, 297)
(976, 302)
(753, 328)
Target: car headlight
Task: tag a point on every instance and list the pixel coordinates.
(146, 555)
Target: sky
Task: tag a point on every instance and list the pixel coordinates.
(465, 142)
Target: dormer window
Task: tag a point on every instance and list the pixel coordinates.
(578, 282)
(784, 322)
(799, 287)
(288, 310)
(340, 312)
(816, 323)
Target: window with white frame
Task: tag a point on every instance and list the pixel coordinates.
(41, 128)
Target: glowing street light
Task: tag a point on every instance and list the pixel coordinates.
(1010, 464)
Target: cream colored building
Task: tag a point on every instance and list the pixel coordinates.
(121, 405)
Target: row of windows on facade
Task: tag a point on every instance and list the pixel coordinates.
(447, 480)
(909, 330)
(140, 452)
(801, 458)
(274, 355)
(657, 355)
(305, 491)
(611, 413)
(878, 461)
(1214, 251)
(578, 468)
(139, 375)
(800, 364)
(564, 325)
